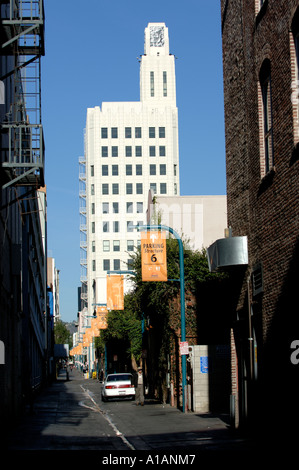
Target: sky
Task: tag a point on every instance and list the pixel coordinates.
(91, 51)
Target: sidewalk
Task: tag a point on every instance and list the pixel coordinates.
(69, 415)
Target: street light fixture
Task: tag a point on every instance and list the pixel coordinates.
(182, 296)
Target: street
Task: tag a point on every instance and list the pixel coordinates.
(69, 415)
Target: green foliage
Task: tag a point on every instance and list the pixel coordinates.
(152, 300)
(126, 325)
(99, 343)
(62, 334)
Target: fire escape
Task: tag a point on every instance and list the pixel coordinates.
(83, 231)
(22, 45)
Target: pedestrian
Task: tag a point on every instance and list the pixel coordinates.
(139, 394)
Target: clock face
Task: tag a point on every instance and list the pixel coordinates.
(157, 36)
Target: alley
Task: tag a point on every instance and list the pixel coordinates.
(69, 415)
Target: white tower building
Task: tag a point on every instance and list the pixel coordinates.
(130, 147)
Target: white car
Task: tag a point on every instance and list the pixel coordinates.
(120, 385)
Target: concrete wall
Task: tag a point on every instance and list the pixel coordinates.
(210, 378)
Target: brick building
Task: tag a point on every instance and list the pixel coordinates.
(260, 68)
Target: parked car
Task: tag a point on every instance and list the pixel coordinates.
(120, 385)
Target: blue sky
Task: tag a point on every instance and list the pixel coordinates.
(91, 57)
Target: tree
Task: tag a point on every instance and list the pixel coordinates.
(125, 325)
(156, 306)
(62, 334)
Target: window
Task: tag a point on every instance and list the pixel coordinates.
(162, 151)
(152, 151)
(93, 227)
(105, 207)
(116, 245)
(163, 169)
(138, 132)
(106, 264)
(114, 132)
(116, 226)
(114, 170)
(139, 188)
(93, 210)
(115, 188)
(116, 264)
(152, 83)
(266, 142)
(138, 151)
(129, 226)
(130, 264)
(92, 189)
(128, 151)
(106, 227)
(93, 265)
(128, 132)
(114, 151)
(129, 188)
(258, 6)
(129, 170)
(139, 207)
(104, 132)
(104, 151)
(294, 40)
(151, 133)
(105, 188)
(91, 170)
(163, 188)
(115, 207)
(130, 245)
(162, 132)
(152, 169)
(106, 245)
(138, 170)
(129, 207)
(93, 246)
(104, 170)
(153, 187)
(164, 83)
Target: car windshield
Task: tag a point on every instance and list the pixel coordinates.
(118, 378)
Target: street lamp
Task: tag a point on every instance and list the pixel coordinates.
(182, 296)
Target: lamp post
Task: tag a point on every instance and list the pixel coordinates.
(182, 296)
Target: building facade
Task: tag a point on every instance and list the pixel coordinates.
(130, 147)
(198, 220)
(260, 68)
(24, 322)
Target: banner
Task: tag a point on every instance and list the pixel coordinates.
(153, 256)
(115, 292)
(102, 314)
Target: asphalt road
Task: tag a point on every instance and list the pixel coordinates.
(69, 415)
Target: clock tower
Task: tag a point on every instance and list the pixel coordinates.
(157, 71)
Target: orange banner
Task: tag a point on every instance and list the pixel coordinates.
(153, 256)
(115, 292)
(102, 314)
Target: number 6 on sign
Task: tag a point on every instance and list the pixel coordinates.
(153, 256)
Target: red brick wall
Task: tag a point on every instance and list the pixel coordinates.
(263, 207)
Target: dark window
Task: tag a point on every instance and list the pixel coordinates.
(265, 81)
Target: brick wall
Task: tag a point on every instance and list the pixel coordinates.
(263, 206)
